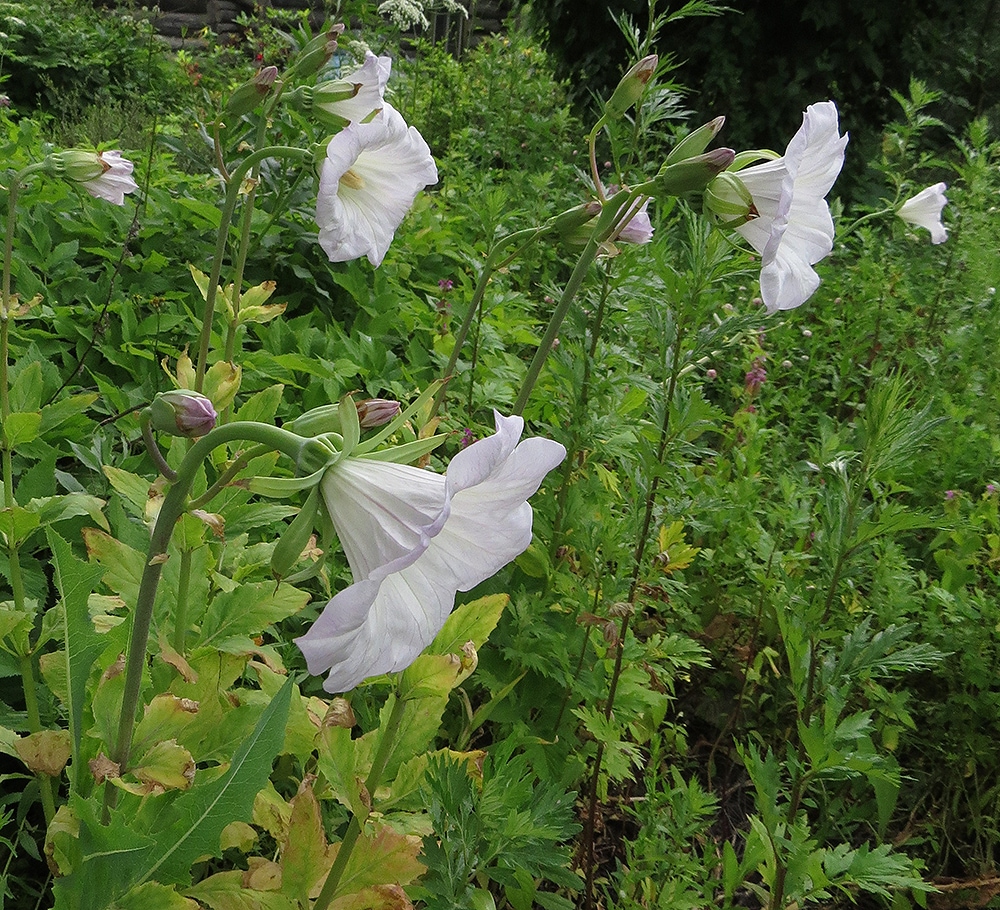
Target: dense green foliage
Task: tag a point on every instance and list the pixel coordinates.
(750, 657)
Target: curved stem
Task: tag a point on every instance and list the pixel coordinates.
(386, 745)
(180, 611)
(173, 506)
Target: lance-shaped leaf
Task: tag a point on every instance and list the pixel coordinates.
(76, 580)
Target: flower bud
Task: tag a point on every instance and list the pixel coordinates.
(692, 174)
(317, 53)
(251, 93)
(630, 89)
(77, 165)
(182, 413)
(728, 201)
(573, 227)
(695, 142)
(376, 412)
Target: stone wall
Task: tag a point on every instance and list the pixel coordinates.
(180, 21)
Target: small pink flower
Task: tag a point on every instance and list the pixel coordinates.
(755, 378)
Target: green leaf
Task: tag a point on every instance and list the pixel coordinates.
(16, 524)
(20, 428)
(204, 811)
(225, 891)
(236, 617)
(303, 855)
(76, 580)
(152, 895)
(473, 622)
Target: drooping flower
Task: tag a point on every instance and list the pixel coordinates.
(924, 210)
(793, 229)
(105, 175)
(368, 181)
(414, 539)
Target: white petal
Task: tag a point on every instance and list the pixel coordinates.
(115, 182)
(924, 210)
(483, 521)
(393, 163)
(371, 77)
(794, 229)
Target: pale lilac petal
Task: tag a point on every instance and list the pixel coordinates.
(794, 229)
(924, 210)
(368, 182)
(394, 609)
(116, 180)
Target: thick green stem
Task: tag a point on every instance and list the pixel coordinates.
(382, 755)
(229, 206)
(180, 612)
(173, 506)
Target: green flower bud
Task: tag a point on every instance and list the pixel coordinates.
(728, 201)
(251, 93)
(315, 55)
(630, 89)
(692, 174)
(695, 142)
(293, 541)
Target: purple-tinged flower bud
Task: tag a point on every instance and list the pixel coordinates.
(711, 374)
(376, 412)
(315, 55)
(695, 142)
(692, 174)
(755, 378)
(182, 413)
(630, 89)
(251, 93)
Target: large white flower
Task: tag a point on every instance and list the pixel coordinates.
(368, 181)
(924, 210)
(413, 540)
(794, 230)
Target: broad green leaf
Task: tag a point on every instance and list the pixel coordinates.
(21, 427)
(154, 896)
(122, 565)
(470, 622)
(134, 488)
(16, 524)
(235, 618)
(75, 580)
(204, 811)
(57, 413)
(262, 406)
(106, 859)
(388, 858)
(69, 505)
(225, 891)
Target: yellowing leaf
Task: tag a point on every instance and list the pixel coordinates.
(303, 854)
(46, 752)
(166, 765)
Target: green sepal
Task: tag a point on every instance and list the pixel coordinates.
(293, 541)
(408, 452)
(393, 427)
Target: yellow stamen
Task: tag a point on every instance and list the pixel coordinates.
(352, 180)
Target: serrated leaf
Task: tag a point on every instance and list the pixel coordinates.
(473, 622)
(122, 565)
(166, 765)
(303, 854)
(388, 858)
(133, 487)
(21, 427)
(16, 524)
(235, 618)
(206, 810)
